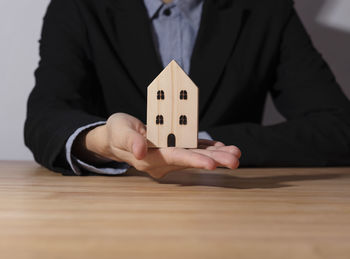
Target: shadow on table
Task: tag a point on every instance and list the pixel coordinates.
(188, 178)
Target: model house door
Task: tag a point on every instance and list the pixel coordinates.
(171, 140)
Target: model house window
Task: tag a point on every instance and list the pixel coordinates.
(183, 95)
(159, 120)
(160, 95)
(183, 120)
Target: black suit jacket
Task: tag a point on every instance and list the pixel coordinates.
(98, 57)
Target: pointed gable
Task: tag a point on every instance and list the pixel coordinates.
(175, 74)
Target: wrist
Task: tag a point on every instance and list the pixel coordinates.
(91, 146)
(96, 141)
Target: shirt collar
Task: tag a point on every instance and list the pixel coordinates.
(152, 7)
(186, 6)
(190, 10)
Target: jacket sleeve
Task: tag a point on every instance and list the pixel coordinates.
(317, 131)
(65, 95)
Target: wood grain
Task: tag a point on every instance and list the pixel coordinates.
(247, 213)
(172, 80)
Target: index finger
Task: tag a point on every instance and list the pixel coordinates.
(207, 142)
(187, 158)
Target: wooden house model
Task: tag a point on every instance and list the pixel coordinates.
(172, 109)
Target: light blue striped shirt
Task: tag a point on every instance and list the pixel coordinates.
(175, 27)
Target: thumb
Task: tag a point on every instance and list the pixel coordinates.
(136, 144)
(131, 134)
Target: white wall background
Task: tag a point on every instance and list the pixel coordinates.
(328, 21)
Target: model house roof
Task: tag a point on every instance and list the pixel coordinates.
(172, 75)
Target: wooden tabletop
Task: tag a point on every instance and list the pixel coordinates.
(247, 213)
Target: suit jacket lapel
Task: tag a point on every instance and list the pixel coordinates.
(133, 42)
(216, 39)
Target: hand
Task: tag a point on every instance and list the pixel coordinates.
(123, 139)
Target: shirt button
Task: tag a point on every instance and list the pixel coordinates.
(167, 12)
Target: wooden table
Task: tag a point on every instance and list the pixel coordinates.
(247, 213)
